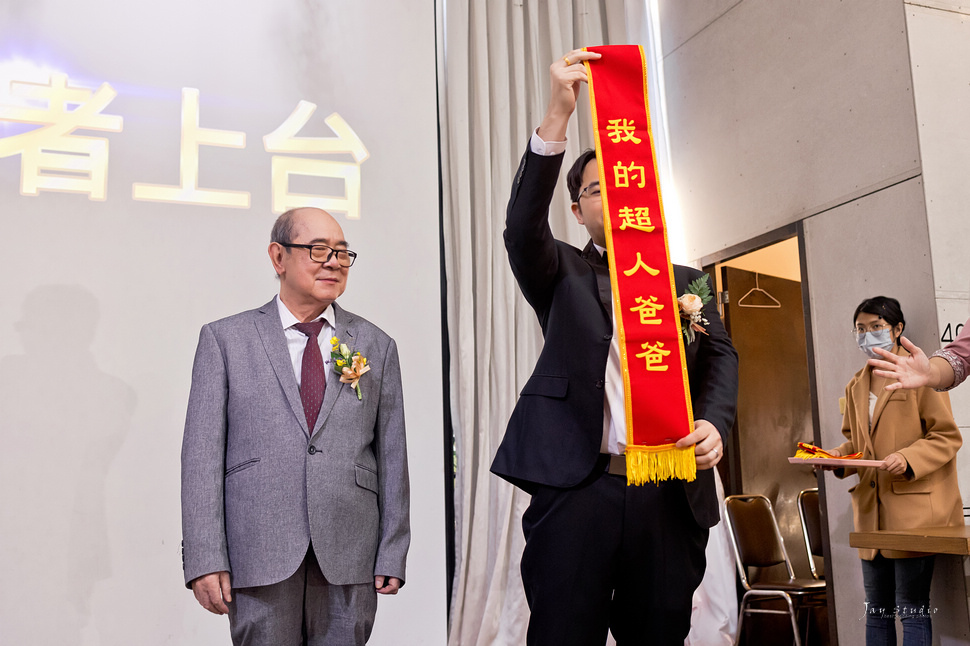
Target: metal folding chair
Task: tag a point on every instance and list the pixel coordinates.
(758, 546)
(810, 514)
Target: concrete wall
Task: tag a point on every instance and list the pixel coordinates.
(780, 109)
(783, 111)
(843, 247)
(939, 43)
(939, 40)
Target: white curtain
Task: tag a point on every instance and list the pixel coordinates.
(493, 58)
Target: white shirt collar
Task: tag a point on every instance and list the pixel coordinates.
(288, 320)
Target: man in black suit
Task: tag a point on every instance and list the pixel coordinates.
(599, 555)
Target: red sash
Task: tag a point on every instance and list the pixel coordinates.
(657, 394)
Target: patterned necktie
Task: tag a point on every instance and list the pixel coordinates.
(313, 378)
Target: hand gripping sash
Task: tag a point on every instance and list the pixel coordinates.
(657, 394)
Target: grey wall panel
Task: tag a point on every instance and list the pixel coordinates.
(939, 41)
(780, 109)
(957, 6)
(680, 21)
(940, 48)
(846, 255)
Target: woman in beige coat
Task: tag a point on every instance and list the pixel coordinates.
(913, 433)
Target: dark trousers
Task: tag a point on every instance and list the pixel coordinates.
(604, 556)
(898, 586)
(303, 609)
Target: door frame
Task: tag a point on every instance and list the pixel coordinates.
(730, 470)
(732, 477)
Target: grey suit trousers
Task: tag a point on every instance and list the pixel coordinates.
(303, 609)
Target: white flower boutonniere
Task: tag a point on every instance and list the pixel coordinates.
(692, 303)
(351, 366)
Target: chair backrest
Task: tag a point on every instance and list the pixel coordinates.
(810, 514)
(754, 534)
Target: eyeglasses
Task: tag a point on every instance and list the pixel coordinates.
(322, 253)
(872, 327)
(593, 190)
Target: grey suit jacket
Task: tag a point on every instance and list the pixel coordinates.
(258, 486)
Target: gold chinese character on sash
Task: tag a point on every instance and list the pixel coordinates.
(641, 265)
(638, 218)
(622, 130)
(284, 140)
(623, 175)
(654, 356)
(194, 137)
(52, 158)
(647, 310)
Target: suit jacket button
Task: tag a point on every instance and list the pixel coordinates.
(599, 384)
(872, 483)
(607, 337)
(312, 450)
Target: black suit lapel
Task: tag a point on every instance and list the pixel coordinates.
(681, 280)
(601, 269)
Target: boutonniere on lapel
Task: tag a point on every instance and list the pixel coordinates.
(351, 366)
(692, 303)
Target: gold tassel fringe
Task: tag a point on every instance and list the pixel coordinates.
(655, 463)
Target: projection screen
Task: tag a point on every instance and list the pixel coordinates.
(145, 150)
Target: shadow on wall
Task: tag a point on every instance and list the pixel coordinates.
(63, 421)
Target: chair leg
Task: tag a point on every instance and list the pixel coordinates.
(796, 631)
(792, 616)
(737, 635)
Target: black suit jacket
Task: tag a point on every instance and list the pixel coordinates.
(553, 437)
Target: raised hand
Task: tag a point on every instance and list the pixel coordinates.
(914, 371)
(566, 76)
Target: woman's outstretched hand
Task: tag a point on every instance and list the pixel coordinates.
(914, 371)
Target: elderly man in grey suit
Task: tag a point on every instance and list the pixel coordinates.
(294, 478)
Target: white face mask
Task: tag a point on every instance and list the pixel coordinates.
(881, 339)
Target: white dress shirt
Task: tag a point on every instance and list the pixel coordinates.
(296, 340)
(614, 399)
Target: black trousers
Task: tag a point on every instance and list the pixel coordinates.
(604, 556)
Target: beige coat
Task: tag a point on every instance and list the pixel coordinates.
(919, 425)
